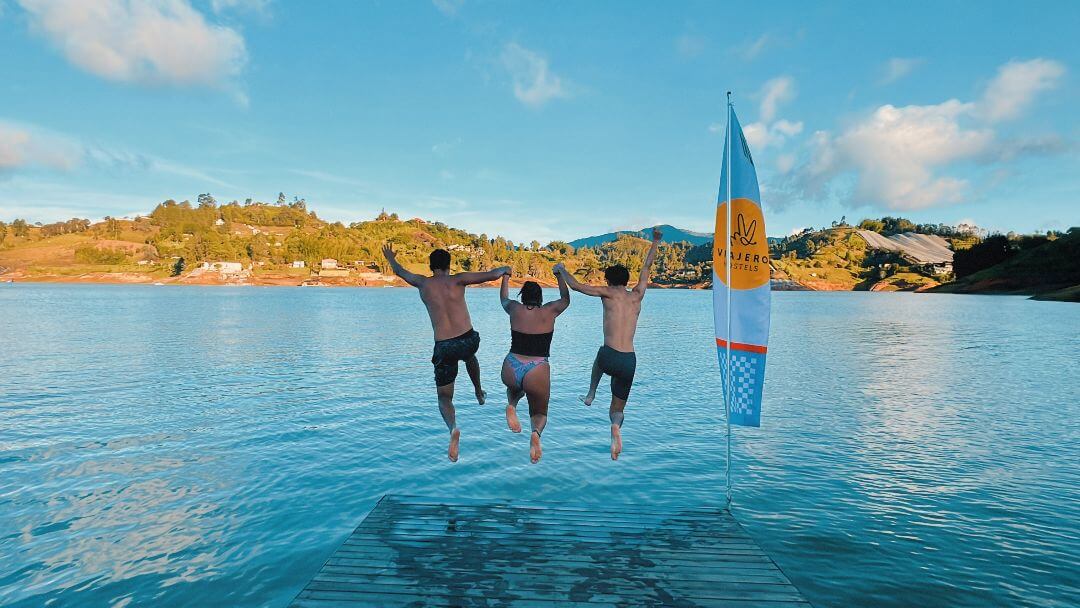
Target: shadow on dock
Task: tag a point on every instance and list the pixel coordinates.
(415, 552)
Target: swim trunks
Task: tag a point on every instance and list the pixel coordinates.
(620, 366)
(449, 352)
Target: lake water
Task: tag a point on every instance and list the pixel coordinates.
(174, 446)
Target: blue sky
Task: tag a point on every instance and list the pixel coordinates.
(549, 120)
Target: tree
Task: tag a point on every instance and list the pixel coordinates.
(178, 267)
(535, 245)
(281, 199)
(206, 201)
(3, 231)
(20, 228)
(992, 251)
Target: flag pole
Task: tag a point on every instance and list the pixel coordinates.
(727, 308)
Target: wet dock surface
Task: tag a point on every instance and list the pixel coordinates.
(417, 552)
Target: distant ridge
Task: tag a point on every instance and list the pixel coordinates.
(671, 235)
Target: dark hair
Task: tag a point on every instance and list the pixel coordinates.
(617, 275)
(531, 294)
(439, 260)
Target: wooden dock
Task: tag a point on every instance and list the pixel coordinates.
(418, 552)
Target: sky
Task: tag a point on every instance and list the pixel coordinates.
(543, 120)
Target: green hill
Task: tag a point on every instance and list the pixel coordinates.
(268, 239)
(1048, 270)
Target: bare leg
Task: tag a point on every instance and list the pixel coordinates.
(615, 413)
(538, 391)
(473, 367)
(593, 382)
(513, 395)
(512, 398)
(449, 416)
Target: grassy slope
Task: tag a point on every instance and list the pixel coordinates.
(832, 262)
(1052, 267)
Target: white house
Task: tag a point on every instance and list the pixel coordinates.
(328, 264)
(299, 264)
(223, 267)
(219, 222)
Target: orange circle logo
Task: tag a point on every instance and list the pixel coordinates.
(748, 245)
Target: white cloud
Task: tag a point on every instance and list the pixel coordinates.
(448, 7)
(258, 7)
(895, 153)
(752, 50)
(147, 42)
(785, 163)
(24, 147)
(534, 83)
(690, 45)
(775, 92)
(760, 136)
(1016, 85)
(900, 158)
(30, 147)
(788, 128)
(898, 67)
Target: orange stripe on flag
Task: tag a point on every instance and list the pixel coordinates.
(754, 348)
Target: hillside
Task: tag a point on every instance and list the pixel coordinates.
(838, 258)
(1050, 270)
(671, 235)
(286, 244)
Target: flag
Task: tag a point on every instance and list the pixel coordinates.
(745, 294)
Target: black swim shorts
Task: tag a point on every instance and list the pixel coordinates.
(448, 352)
(620, 366)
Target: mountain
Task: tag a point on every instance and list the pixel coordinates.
(671, 235)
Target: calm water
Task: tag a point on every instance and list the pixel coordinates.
(211, 446)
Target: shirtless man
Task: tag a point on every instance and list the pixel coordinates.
(616, 357)
(455, 339)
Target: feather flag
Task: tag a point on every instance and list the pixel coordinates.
(741, 295)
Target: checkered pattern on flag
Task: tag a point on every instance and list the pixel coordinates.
(740, 241)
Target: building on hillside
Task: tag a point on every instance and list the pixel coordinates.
(328, 264)
(928, 250)
(374, 276)
(299, 264)
(223, 267)
(219, 222)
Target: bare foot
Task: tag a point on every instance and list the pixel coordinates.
(452, 453)
(481, 397)
(535, 450)
(588, 399)
(512, 419)
(616, 442)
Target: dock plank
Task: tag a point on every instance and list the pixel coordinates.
(418, 552)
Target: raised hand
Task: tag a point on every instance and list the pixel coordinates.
(558, 269)
(388, 251)
(657, 235)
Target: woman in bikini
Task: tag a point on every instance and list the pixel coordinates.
(525, 370)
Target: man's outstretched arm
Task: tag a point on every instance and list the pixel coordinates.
(643, 279)
(409, 277)
(472, 278)
(574, 284)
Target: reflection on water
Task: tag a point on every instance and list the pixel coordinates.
(211, 446)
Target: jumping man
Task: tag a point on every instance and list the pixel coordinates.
(616, 357)
(455, 339)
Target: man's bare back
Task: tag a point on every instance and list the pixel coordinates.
(616, 357)
(456, 341)
(444, 297)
